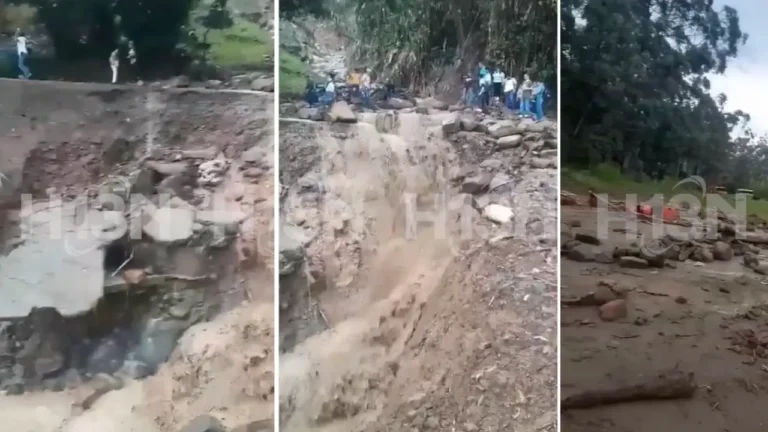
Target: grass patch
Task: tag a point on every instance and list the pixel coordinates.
(293, 76)
(17, 16)
(245, 45)
(607, 179)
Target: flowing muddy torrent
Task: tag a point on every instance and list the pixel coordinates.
(432, 322)
(136, 262)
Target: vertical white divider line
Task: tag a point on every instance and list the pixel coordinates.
(276, 210)
(559, 216)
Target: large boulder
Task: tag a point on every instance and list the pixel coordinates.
(341, 112)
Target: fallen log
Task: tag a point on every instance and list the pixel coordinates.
(670, 384)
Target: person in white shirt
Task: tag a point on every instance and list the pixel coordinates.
(22, 51)
(329, 97)
(527, 90)
(114, 64)
(365, 87)
(510, 91)
(498, 82)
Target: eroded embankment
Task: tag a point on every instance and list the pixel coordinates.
(429, 330)
(129, 216)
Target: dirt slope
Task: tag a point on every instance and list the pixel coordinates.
(70, 137)
(427, 331)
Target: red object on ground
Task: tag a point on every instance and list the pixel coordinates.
(669, 214)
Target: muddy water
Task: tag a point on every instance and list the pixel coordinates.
(378, 265)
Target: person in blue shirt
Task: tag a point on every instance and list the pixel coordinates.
(485, 90)
(539, 92)
(483, 70)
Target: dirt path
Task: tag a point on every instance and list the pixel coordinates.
(685, 318)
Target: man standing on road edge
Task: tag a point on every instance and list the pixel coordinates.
(22, 52)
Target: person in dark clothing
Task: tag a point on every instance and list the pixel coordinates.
(311, 96)
(390, 91)
(468, 90)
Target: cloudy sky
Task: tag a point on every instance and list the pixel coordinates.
(746, 78)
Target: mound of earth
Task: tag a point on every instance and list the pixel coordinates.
(418, 280)
(136, 267)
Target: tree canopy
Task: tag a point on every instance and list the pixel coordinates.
(412, 38)
(636, 90)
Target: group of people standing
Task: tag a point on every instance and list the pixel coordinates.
(359, 82)
(494, 85)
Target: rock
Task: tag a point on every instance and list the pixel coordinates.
(179, 82)
(291, 242)
(581, 253)
(613, 310)
(167, 168)
(722, 251)
(158, 339)
(502, 129)
(340, 112)
(432, 103)
(310, 114)
(98, 387)
(134, 276)
(541, 163)
(107, 357)
(212, 172)
(451, 126)
(588, 238)
(468, 124)
(257, 155)
(498, 213)
(492, 164)
(133, 370)
(761, 268)
(604, 258)
(204, 423)
(422, 110)
(476, 183)
(203, 153)
(508, 142)
(498, 180)
(263, 84)
(751, 260)
(703, 254)
(170, 225)
(604, 294)
(399, 104)
(633, 262)
(15, 388)
(264, 425)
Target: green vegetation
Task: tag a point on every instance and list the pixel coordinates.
(636, 76)
(607, 178)
(163, 32)
(293, 75)
(244, 45)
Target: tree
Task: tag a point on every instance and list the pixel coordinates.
(634, 80)
(217, 17)
(412, 40)
(87, 28)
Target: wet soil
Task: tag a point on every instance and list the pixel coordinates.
(390, 331)
(692, 318)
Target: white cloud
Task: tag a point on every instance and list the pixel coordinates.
(746, 86)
